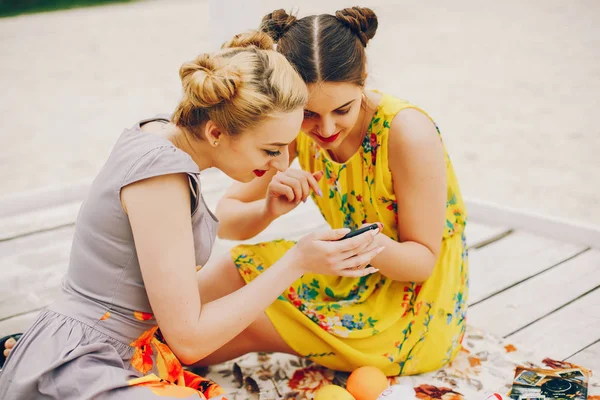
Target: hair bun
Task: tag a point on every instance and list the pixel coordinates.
(277, 23)
(257, 39)
(361, 20)
(206, 83)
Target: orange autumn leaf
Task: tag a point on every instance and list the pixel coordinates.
(169, 367)
(142, 359)
(105, 316)
(556, 364)
(142, 356)
(510, 348)
(427, 392)
(474, 361)
(142, 380)
(145, 337)
(142, 316)
(208, 387)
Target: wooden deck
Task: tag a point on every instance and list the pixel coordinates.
(533, 280)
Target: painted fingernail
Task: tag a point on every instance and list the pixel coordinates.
(304, 201)
(374, 232)
(379, 250)
(320, 193)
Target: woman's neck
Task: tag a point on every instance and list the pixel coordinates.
(200, 151)
(353, 141)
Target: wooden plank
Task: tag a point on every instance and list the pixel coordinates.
(35, 241)
(18, 225)
(539, 296)
(44, 210)
(43, 198)
(18, 324)
(566, 331)
(33, 279)
(588, 357)
(480, 234)
(504, 263)
(559, 229)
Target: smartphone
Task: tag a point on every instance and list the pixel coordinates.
(372, 227)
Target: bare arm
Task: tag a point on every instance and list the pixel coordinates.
(416, 160)
(242, 210)
(247, 209)
(158, 210)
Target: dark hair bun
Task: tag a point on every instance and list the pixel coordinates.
(277, 23)
(362, 22)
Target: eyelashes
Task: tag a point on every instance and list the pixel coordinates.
(308, 115)
(272, 153)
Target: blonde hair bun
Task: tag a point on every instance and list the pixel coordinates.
(207, 81)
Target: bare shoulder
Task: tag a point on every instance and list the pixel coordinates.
(159, 191)
(412, 130)
(373, 97)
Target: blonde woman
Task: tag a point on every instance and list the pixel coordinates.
(132, 311)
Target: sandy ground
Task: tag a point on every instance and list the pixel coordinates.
(514, 87)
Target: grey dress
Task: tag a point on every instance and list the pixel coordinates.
(101, 335)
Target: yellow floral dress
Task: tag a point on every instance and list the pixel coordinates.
(403, 328)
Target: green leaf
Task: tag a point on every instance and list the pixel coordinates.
(452, 200)
(329, 292)
(331, 194)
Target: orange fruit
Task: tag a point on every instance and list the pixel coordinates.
(366, 383)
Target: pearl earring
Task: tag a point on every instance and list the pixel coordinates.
(216, 142)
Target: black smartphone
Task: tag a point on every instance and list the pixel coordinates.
(372, 227)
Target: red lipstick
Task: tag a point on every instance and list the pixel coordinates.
(327, 139)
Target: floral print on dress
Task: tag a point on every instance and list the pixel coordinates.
(373, 319)
(161, 369)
